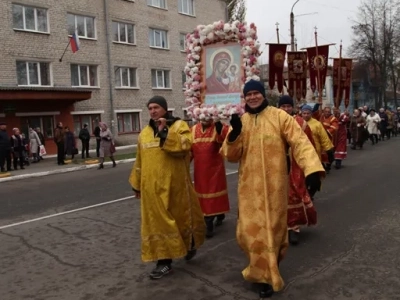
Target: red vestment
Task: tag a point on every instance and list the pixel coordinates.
(341, 138)
(301, 210)
(209, 169)
(331, 126)
(215, 86)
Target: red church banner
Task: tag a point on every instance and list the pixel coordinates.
(318, 65)
(342, 69)
(297, 74)
(277, 54)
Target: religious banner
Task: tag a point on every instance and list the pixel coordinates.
(342, 68)
(297, 74)
(221, 57)
(318, 66)
(277, 53)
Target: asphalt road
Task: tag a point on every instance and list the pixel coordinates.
(353, 252)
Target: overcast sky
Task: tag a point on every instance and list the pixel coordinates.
(332, 18)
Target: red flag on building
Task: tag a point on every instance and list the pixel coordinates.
(342, 68)
(277, 54)
(297, 74)
(318, 65)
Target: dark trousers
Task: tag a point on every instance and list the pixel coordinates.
(19, 158)
(5, 156)
(60, 153)
(373, 138)
(98, 147)
(85, 148)
(388, 133)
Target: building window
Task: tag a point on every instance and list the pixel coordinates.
(184, 80)
(160, 79)
(128, 122)
(80, 120)
(158, 38)
(123, 33)
(29, 18)
(83, 75)
(33, 73)
(157, 3)
(186, 7)
(170, 113)
(125, 77)
(46, 125)
(182, 41)
(82, 24)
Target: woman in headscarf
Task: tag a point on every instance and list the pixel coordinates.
(70, 142)
(357, 124)
(34, 144)
(107, 148)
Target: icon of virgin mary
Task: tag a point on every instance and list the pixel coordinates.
(218, 81)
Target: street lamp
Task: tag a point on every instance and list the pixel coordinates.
(292, 27)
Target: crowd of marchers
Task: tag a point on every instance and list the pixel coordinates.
(283, 157)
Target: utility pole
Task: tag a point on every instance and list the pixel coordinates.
(292, 48)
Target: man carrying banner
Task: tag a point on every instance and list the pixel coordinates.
(301, 210)
(341, 138)
(331, 126)
(209, 171)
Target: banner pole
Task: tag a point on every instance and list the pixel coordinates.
(338, 96)
(318, 72)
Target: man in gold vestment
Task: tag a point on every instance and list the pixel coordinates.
(172, 220)
(258, 141)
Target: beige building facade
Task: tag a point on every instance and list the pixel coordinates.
(129, 51)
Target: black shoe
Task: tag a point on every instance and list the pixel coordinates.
(114, 164)
(220, 218)
(190, 254)
(160, 271)
(101, 166)
(266, 290)
(209, 233)
(293, 237)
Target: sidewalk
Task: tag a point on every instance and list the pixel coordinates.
(48, 166)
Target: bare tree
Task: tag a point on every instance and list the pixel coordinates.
(236, 10)
(375, 39)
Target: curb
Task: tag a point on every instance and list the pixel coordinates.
(61, 171)
(92, 151)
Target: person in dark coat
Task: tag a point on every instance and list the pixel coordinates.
(96, 133)
(70, 143)
(383, 124)
(17, 146)
(5, 148)
(84, 136)
(59, 139)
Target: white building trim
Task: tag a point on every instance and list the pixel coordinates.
(37, 114)
(121, 111)
(87, 112)
(171, 109)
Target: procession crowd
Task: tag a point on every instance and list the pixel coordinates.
(273, 146)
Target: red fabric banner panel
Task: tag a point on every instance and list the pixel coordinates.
(342, 69)
(277, 53)
(297, 74)
(318, 66)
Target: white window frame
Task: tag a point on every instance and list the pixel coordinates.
(153, 32)
(88, 75)
(126, 33)
(36, 19)
(118, 72)
(184, 42)
(38, 72)
(188, 3)
(153, 4)
(163, 72)
(94, 26)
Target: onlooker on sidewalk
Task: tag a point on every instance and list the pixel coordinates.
(96, 133)
(34, 145)
(18, 146)
(84, 136)
(107, 147)
(70, 143)
(42, 140)
(59, 140)
(5, 148)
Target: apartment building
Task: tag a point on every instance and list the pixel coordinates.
(130, 50)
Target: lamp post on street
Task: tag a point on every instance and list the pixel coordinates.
(292, 28)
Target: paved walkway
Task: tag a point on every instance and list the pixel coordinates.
(49, 166)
